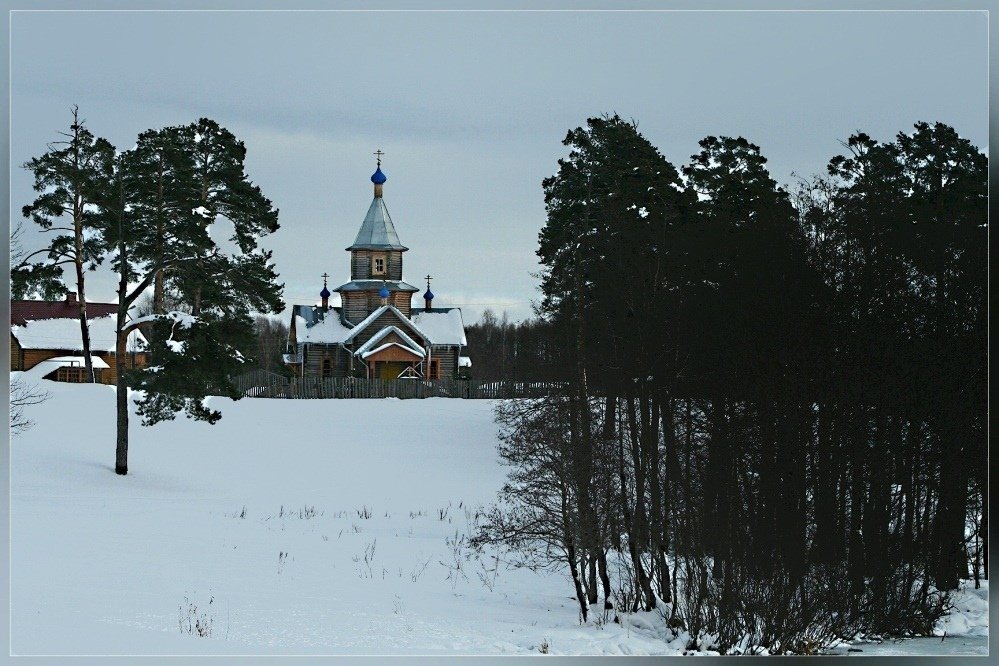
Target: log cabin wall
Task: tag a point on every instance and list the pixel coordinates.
(402, 301)
(311, 360)
(448, 357)
(394, 265)
(341, 366)
(29, 358)
(355, 306)
(303, 351)
(314, 354)
(32, 357)
(132, 360)
(16, 361)
(372, 301)
(360, 265)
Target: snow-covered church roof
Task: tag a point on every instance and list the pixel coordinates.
(377, 231)
(328, 330)
(441, 326)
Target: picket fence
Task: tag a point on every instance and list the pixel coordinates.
(260, 384)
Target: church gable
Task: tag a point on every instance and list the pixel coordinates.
(393, 352)
(390, 335)
(384, 317)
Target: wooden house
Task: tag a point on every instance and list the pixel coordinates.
(376, 333)
(45, 337)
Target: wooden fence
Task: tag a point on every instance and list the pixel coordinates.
(269, 385)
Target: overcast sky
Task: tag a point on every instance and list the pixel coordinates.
(471, 109)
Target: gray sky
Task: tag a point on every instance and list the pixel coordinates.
(471, 108)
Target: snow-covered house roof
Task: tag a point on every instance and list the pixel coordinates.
(22, 311)
(64, 334)
(50, 365)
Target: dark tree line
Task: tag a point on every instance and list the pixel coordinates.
(777, 413)
(515, 351)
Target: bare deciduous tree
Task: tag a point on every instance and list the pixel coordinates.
(23, 395)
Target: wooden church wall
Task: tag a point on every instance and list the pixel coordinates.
(398, 299)
(394, 267)
(360, 265)
(401, 300)
(355, 306)
(448, 357)
(314, 355)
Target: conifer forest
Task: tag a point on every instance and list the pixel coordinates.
(775, 426)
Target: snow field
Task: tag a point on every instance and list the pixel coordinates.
(351, 541)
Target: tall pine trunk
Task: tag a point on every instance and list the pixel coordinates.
(121, 349)
(121, 449)
(78, 256)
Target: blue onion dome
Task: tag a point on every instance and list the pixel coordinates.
(378, 177)
(325, 293)
(383, 292)
(429, 296)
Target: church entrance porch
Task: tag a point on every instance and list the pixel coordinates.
(391, 360)
(389, 369)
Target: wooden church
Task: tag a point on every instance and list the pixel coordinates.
(376, 333)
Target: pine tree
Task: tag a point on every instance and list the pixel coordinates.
(219, 189)
(32, 280)
(67, 176)
(153, 234)
(945, 241)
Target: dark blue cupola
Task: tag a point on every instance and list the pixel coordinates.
(428, 297)
(325, 293)
(378, 178)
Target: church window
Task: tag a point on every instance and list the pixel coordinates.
(378, 265)
(327, 367)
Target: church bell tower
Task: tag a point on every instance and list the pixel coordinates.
(375, 261)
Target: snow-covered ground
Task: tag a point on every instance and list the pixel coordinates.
(291, 527)
(963, 631)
